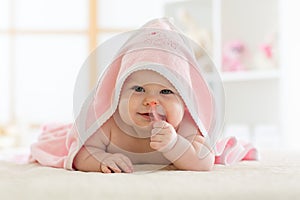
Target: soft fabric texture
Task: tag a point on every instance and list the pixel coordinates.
(276, 176)
(157, 46)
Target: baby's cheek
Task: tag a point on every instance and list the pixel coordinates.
(176, 115)
(174, 120)
(132, 103)
(135, 100)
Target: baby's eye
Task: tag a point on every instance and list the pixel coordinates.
(166, 91)
(138, 89)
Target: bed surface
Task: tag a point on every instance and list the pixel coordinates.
(275, 176)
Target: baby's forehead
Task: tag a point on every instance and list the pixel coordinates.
(144, 77)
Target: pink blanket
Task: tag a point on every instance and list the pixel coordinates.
(53, 148)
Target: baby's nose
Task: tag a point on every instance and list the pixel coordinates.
(151, 102)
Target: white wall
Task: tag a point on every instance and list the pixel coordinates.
(290, 62)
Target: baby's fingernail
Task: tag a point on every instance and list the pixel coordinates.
(127, 170)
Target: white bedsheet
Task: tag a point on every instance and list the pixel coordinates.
(275, 176)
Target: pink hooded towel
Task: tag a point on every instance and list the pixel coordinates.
(160, 47)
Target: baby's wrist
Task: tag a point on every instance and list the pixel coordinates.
(170, 145)
(178, 149)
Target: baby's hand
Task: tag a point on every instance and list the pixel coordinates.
(116, 163)
(163, 136)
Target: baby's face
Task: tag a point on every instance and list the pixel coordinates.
(143, 88)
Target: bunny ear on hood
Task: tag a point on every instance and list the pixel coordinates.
(157, 46)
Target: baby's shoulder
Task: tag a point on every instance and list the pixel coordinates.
(107, 127)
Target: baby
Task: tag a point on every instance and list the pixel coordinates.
(154, 103)
(146, 128)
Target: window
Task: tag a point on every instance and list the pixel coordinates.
(43, 44)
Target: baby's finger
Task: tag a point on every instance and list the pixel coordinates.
(112, 166)
(123, 166)
(155, 131)
(156, 138)
(155, 145)
(104, 169)
(159, 124)
(128, 163)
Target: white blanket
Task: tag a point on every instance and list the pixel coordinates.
(275, 176)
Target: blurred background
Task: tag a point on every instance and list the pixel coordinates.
(254, 44)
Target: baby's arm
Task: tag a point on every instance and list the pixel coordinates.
(191, 154)
(93, 157)
(100, 161)
(187, 152)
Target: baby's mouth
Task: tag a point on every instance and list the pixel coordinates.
(146, 115)
(150, 116)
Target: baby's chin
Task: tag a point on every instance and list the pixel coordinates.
(142, 131)
(142, 121)
(143, 124)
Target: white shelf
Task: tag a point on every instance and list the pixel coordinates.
(253, 75)
(252, 96)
